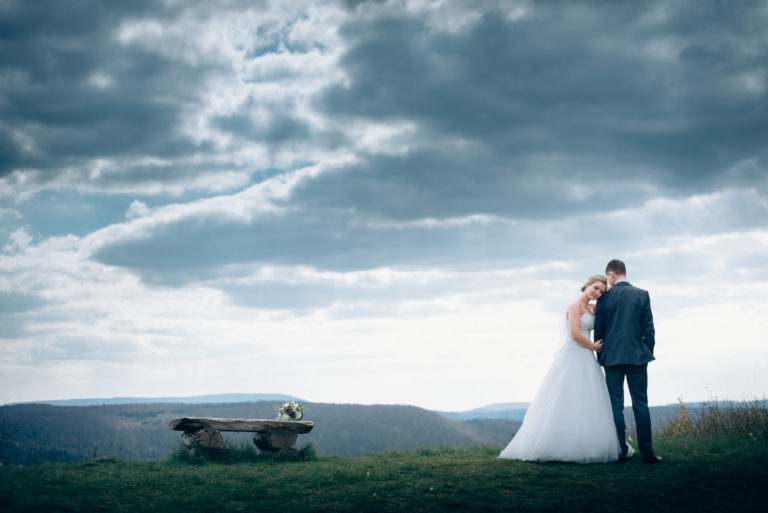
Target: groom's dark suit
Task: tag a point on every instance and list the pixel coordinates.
(624, 321)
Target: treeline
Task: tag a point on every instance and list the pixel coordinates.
(38, 433)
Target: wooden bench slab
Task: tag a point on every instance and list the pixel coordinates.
(253, 425)
(271, 435)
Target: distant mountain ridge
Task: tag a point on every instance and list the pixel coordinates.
(198, 399)
(514, 411)
(509, 411)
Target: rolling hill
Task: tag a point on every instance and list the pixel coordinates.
(36, 433)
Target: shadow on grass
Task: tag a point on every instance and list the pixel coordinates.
(239, 453)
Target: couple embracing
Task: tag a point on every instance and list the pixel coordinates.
(577, 414)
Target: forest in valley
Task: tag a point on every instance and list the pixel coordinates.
(37, 433)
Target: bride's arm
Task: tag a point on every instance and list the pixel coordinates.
(574, 324)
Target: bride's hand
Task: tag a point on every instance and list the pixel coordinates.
(597, 346)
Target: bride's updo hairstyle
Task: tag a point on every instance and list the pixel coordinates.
(595, 278)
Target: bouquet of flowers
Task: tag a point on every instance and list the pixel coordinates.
(290, 411)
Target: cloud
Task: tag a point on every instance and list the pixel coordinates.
(318, 189)
(522, 102)
(214, 240)
(14, 302)
(18, 241)
(611, 92)
(159, 99)
(47, 59)
(137, 209)
(9, 213)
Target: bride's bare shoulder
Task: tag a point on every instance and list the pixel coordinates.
(573, 309)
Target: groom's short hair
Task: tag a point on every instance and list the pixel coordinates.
(617, 266)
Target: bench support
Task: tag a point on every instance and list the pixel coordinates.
(206, 438)
(275, 440)
(274, 436)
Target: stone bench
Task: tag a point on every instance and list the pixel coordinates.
(273, 436)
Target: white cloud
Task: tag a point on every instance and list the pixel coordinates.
(18, 241)
(101, 80)
(449, 222)
(487, 336)
(243, 207)
(137, 209)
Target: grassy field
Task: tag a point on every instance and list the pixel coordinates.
(699, 473)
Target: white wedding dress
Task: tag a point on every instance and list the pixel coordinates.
(570, 418)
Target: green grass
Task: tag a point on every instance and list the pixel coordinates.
(714, 461)
(239, 453)
(725, 473)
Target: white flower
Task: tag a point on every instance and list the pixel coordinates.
(291, 411)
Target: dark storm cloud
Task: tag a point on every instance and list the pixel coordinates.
(49, 50)
(570, 109)
(9, 152)
(450, 182)
(195, 249)
(278, 129)
(352, 4)
(573, 109)
(191, 250)
(15, 311)
(605, 88)
(202, 249)
(77, 93)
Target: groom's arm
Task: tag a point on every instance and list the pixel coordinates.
(599, 320)
(648, 334)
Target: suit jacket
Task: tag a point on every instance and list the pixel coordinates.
(624, 321)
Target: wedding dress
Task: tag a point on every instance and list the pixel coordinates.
(570, 418)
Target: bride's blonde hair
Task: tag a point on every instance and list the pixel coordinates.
(594, 278)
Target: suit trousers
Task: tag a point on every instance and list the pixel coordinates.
(637, 382)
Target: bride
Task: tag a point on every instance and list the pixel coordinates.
(570, 418)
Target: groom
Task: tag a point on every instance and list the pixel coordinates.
(624, 321)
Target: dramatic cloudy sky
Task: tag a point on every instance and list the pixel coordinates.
(375, 202)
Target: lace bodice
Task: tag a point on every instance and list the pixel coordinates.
(587, 325)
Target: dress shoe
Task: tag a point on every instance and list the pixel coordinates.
(651, 459)
(622, 459)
